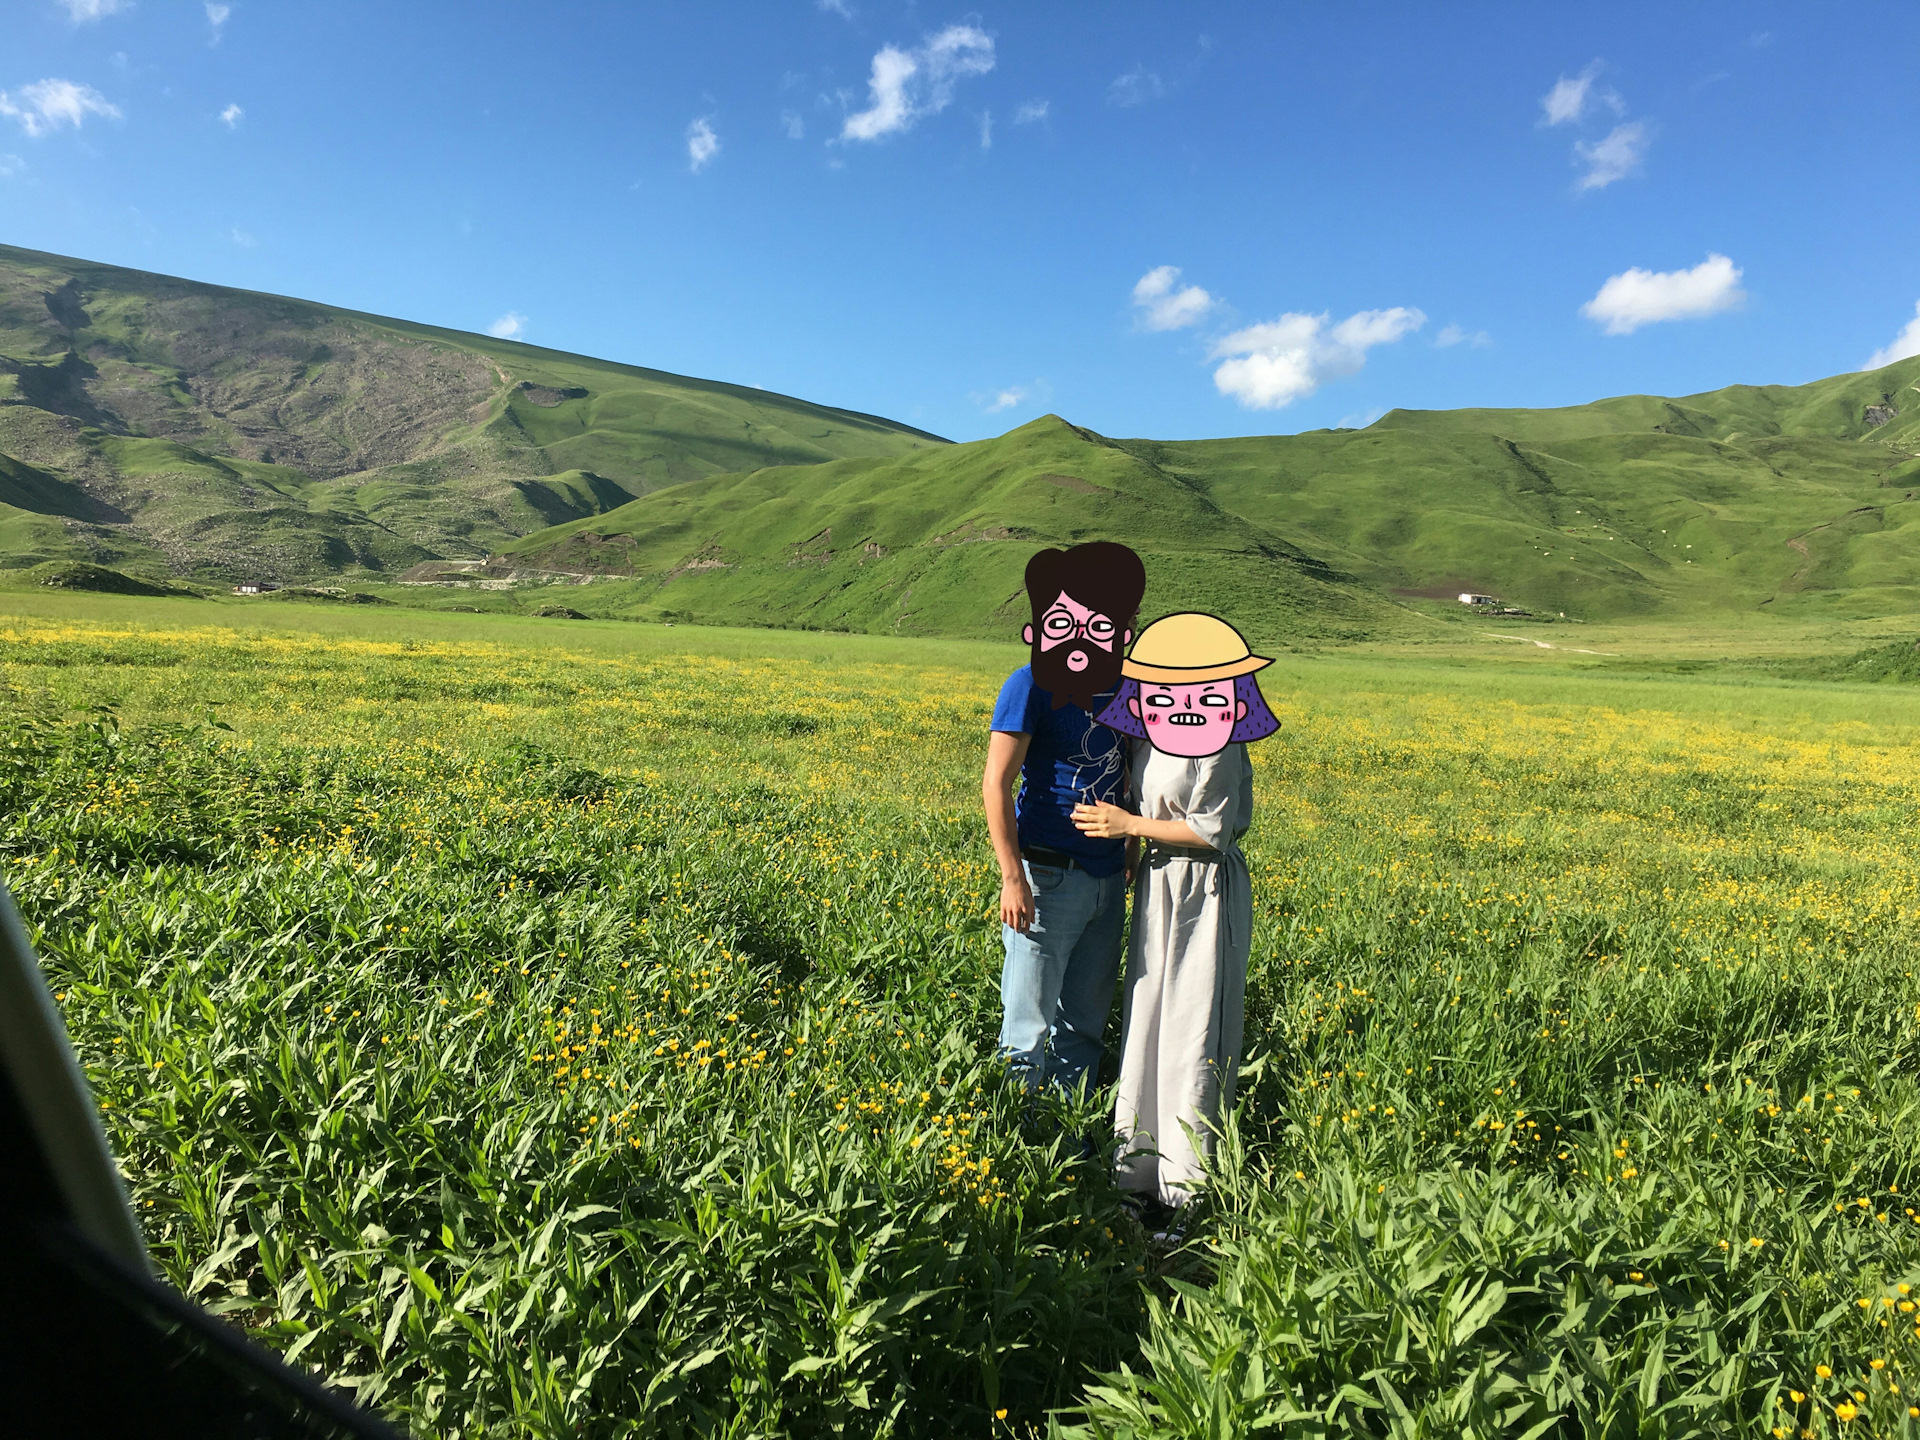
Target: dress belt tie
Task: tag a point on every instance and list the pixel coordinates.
(1204, 854)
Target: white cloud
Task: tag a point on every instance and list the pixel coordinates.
(1135, 87)
(46, 105)
(891, 110)
(836, 7)
(510, 326)
(907, 85)
(82, 11)
(241, 238)
(1615, 157)
(10, 166)
(1273, 364)
(217, 17)
(795, 127)
(1456, 335)
(1567, 102)
(702, 144)
(1360, 419)
(1639, 297)
(1031, 111)
(1009, 397)
(986, 129)
(232, 116)
(1163, 306)
(1906, 343)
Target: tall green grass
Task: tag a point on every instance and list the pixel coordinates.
(610, 1052)
(527, 1112)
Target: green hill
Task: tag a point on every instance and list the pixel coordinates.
(196, 430)
(1792, 497)
(1797, 498)
(935, 542)
(172, 429)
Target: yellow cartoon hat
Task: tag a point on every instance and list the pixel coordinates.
(1188, 649)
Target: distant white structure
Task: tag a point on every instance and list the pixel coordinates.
(1486, 600)
(253, 587)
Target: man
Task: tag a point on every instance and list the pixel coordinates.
(1063, 895)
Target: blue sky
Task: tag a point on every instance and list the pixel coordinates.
(965, 218)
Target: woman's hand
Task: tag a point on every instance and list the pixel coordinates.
(1103, 821)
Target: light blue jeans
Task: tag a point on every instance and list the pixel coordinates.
(1059, 977)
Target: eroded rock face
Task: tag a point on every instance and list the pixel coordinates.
(1878, 415)
(327, 398)
(547, 398)
(167, 424)
(145, 401)
(249, 376)
(66, 307)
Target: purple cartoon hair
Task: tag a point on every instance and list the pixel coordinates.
(1257, 724)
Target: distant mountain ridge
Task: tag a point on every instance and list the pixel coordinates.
(936, 542)
(1799, 498)
(200, 430)
(178, 429)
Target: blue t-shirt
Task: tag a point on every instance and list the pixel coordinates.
(1071, 760)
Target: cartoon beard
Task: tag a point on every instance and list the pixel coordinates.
(1068, 686)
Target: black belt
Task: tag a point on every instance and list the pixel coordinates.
(1040, 855)
(1157, 852)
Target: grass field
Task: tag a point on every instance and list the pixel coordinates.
(585, 1030)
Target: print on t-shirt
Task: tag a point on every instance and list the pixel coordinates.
(1072, 759)
(1097, 766)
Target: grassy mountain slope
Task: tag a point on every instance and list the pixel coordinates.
(175, 428)
(169, 424)
(1843, 407)
(1789, 496)
(935, 542)
(1800, 498)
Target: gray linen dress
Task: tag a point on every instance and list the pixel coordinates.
(1186, 981)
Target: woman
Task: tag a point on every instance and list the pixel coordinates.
(1190, 702)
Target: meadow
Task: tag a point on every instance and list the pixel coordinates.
(548, 1029)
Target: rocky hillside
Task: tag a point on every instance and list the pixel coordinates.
(174, 427)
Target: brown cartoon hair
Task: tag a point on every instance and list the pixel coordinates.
(1103, 575)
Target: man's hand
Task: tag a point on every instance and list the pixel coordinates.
(1006, 753)
(1016, 902)
(1103, 821)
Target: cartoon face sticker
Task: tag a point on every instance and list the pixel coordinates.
(1190, 720)
(1189, 688)
(1076, 651)
(1083, 602)
(1067, 620)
